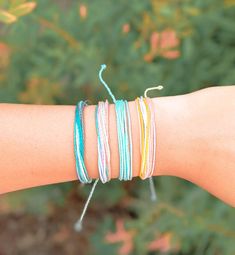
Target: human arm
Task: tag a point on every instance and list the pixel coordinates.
(195, 141)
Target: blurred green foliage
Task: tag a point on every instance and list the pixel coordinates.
(50, 53)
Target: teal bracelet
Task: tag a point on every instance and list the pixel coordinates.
(79, 143)
(124, 139)
(124, 132)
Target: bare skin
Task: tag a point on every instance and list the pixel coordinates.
(195, 141)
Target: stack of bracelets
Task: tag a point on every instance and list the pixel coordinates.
(147, 127)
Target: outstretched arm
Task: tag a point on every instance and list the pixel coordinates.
(195, 141)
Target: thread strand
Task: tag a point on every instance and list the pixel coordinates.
(103, 67)
(78, 224)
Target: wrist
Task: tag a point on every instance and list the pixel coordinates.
(173, 116)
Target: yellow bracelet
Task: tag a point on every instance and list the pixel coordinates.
(145, 122)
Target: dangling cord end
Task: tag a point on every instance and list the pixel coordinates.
(153, 193)
(78, 224)
(159, 87)
(102, 68)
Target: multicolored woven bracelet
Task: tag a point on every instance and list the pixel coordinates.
(147, 128)
(79, 143)
(102, 129)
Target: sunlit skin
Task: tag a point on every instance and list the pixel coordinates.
(195, 141)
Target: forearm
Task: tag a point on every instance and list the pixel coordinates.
(195, 141)
(36, 144)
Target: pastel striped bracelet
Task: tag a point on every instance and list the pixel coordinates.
(102, 129)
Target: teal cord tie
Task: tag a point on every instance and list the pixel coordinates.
(103, 67)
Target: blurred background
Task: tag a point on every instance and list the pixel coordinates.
(50, 53)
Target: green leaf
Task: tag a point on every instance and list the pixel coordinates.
(23, 9)
(7, 17)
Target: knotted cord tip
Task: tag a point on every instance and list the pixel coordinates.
(103, 66)
(154, 197)
(159, 87)
(78, 226)
(153, 194)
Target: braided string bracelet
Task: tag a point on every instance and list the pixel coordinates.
(79, 157)
(151, 183)
(79, 143)
(124, 139)
(101, 117)
(124, 132)
(147, 127)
